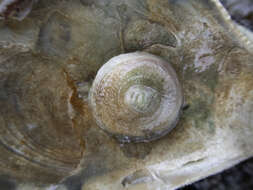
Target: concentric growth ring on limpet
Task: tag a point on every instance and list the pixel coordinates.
(136, 97)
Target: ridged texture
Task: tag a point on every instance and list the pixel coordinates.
(136, 97)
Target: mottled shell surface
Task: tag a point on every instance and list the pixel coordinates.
(136, 97)
(50, 120)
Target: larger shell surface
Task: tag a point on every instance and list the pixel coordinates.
(49, 60)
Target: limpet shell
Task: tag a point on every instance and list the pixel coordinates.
(136, 97)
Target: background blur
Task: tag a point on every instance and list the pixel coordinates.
(239, 177)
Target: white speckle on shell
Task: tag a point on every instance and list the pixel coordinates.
(31, 126)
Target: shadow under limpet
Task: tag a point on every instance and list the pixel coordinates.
(136, 150)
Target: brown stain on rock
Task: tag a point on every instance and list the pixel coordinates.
(79, 108)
